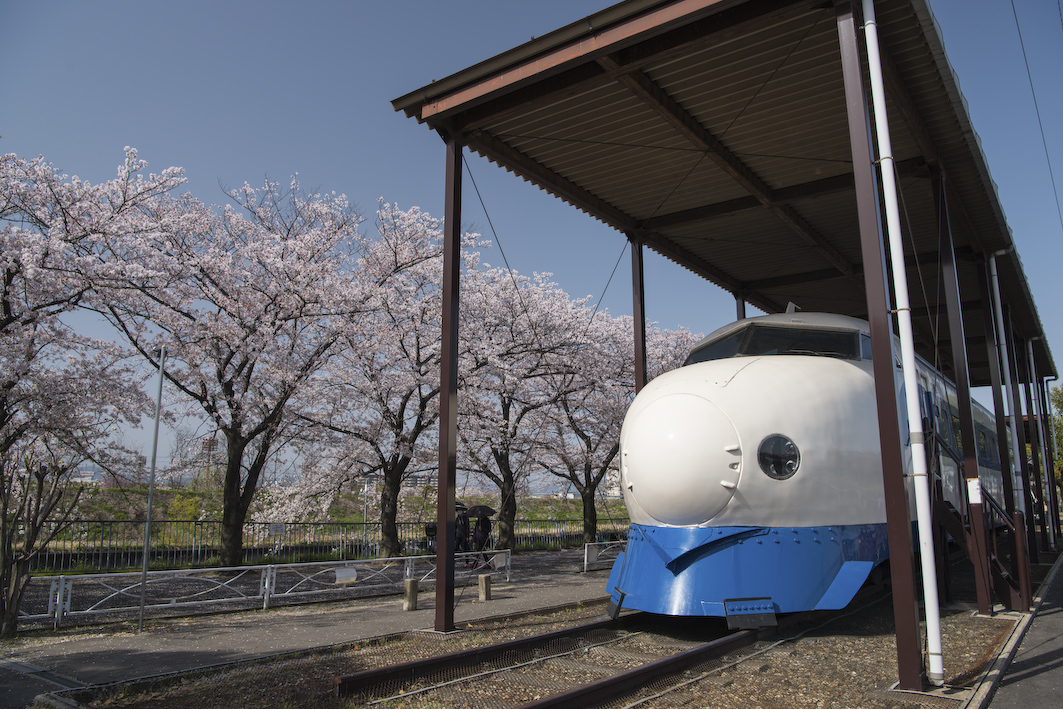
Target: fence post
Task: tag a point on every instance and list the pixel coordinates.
(409, 598)
(62, 601)
(52, 591)
(268, 584)
(409, 569)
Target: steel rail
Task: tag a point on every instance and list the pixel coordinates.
(347, 685)
(626, 682)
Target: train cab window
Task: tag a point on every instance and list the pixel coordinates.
(757, 340)
(723, 348)
(802, 341)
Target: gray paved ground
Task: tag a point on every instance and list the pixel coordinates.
(1034, 678)
(45, 662)
(540, 580)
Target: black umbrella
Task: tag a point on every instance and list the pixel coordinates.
(480, 511)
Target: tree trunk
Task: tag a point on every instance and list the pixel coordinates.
(232, 534)
(234, 512)
(505, 534)
(590, 516)
(390, 544)
(17, 578)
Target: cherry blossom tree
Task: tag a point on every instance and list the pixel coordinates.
(378, 397)
(515, 332)
(63, 395)
(250, 304)
(580, 435)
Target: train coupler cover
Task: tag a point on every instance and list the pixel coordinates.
(749, 613)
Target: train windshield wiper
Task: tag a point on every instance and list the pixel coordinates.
(820, 353)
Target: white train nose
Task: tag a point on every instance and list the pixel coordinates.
(681, 459)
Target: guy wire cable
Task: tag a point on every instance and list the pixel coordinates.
(1037, 110)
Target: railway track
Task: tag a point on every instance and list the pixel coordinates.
(591, 665)
(637, 660)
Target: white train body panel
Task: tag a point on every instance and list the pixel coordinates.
(826, 406)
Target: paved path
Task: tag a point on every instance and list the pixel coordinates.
(1034, 678)
(36, 665)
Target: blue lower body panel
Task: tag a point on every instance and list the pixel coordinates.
(692, 571)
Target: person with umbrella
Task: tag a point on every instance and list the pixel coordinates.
(461, 528)
(481, 533)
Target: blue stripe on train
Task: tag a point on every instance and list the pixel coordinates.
(693, 570)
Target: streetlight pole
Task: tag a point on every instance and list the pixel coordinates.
(151, 488)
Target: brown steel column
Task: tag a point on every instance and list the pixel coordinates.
(448, 392)
(1034, 442)
(996, 379)
(898, 520)
(740, 307)
(1045, 449)
(1050, 447)
(1020, 436)
(958, 337)
(638, 297)
(1050, 452)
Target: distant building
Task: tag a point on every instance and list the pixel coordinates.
(86, 474)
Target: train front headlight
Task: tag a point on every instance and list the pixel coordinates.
(779, 457)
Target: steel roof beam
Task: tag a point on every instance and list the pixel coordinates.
(914, 167)
(509, 157)
(512, 159)
(690, 128)
(924, 258)
(725, 25)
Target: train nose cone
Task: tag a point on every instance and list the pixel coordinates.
(681, 459)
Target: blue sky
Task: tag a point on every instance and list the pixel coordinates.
(237, 91)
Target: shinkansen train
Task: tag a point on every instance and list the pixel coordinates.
(752, 474)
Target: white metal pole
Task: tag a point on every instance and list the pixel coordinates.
(1019, 486)
(936, 670)
(151, 489)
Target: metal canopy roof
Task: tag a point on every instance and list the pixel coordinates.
(715, 132)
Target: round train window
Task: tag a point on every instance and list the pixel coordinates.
(778, 457)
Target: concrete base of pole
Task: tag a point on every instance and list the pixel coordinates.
(485, 587)
(409, 599)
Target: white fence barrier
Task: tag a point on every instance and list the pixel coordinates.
(601, 555)
(273, 584)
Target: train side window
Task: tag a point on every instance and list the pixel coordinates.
(957, 441)
(994, 454)
(983, 448)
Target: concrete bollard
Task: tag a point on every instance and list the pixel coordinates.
(409, 599)
(485, 587)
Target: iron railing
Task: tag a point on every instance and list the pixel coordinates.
(53, 598)
(84, 546)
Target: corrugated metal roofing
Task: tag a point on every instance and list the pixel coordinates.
(643, 114)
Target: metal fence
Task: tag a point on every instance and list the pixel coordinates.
(116, 545)
(601, 555)
(53, 598)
